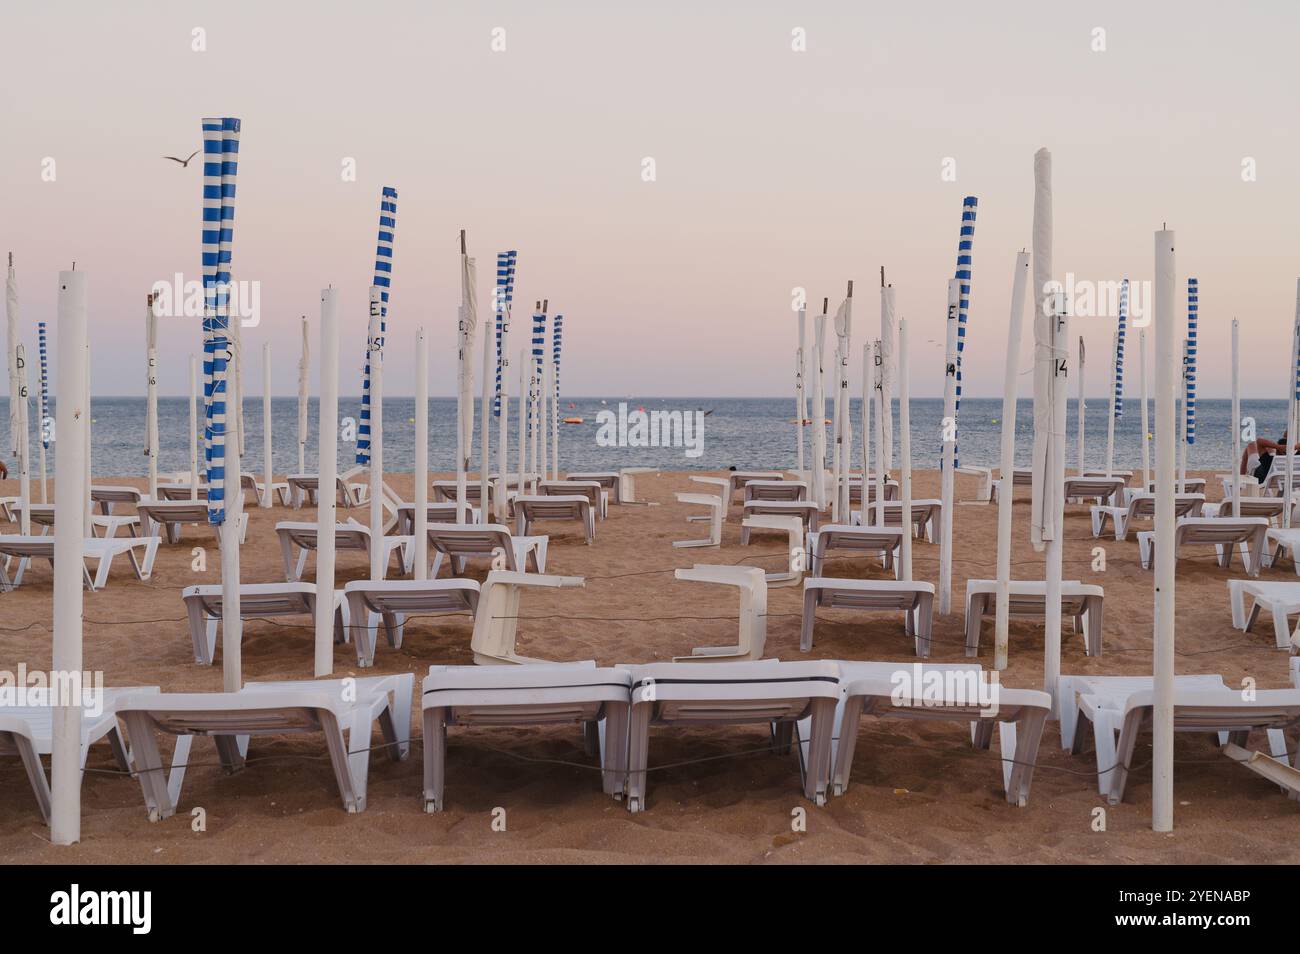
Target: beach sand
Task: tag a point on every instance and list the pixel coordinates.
(919, 792)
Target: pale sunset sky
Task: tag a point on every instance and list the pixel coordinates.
(775, 168)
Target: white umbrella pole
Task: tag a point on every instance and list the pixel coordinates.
(1110, 411)
(24, 453)
(11, 351)
(194, 428)
(836, 436)
(868, 387)
(70, 492)
(236, 383)
(484, 420)
(1293, 380)
(304, 366)
(1051, 336)
(844, 435)
(1146, 422)
(1182, 424)
(800, 405)
(87, 508)
(1007, 465)
(232, 624)
(884, 409)
(948, 428)
(555, 419)
(151, 383)
(523, 417)
(818, 469)
(1081, 409)
(422, 453)
(465, 378)
(887, 365)
(376, 438)
(266, 423)
(1235, 467)
(905, 451)
(503, 417)
(327, 466)
(1162, 664)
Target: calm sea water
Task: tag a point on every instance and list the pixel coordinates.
(745, 433)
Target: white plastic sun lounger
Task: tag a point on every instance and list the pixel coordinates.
(855, 491)
(1119, 709)
(496, 621)
(775, 490)
(595, 493)
(1223, 533)
(949, 693)
(179, 491)
(805, 510)
(1192, 485)
(1083, 603)
(353, 488)
(792, 526)
(527, 695)
(1268, 507)
(1249, 485)
(1125, 475)
(1141, 506)
(882, 542)
(717, 512)
(106, 497)
(530, 509)
(343, 710)
(1279, 542)
(26, 732)
(777, 694)
(914, 598)
(459, 542)
(391, 601)
(1100, 489)
(252, 486)
(926, 514)
(26, 549)
(204, 606)
(42, 515)
(444, 491)
(609, 481)
(1281, 599)
(738, 478)
(436, 513)
(171, 515)
(301, 536)
(1020, 477)
(751, 585)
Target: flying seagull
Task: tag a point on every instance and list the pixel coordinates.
(184, 162)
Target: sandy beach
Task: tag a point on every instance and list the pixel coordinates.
(918, 794)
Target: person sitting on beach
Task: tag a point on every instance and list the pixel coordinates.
(4, 471)
(1258, 456)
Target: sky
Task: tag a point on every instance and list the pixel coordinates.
(775, 168)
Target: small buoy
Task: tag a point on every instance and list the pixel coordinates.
(573, 420)
(995, 420)
(410, 420)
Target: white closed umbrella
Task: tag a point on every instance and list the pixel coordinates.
(1051, 334)
(465, 375)
(304, 373)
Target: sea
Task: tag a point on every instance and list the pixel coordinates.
(745, 433)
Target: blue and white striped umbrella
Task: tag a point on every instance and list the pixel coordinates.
(45, 384)
(220, 168)
(1189, 371)
(539, 353)
(557, 336)
(501, 302)
(383, 280)
(965, 261)
(1119, 350)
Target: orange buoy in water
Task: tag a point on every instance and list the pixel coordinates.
(573, 420)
